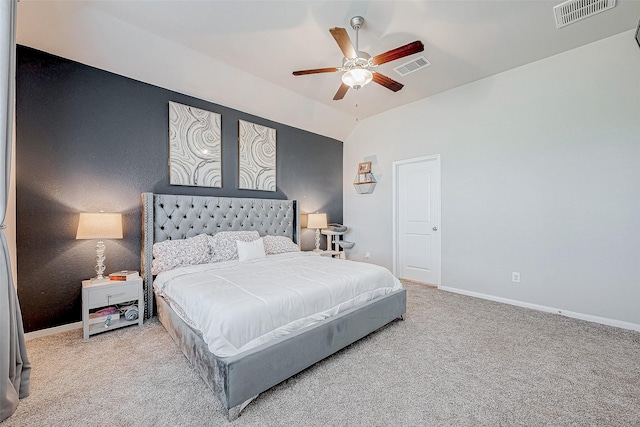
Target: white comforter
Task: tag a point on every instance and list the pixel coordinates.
(240, 305)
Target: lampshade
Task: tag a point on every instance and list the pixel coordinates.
(317, 220)
(100, 225)
(357, 77)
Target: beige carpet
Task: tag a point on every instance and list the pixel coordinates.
(456, 360)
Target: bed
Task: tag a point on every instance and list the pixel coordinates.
(237, 376)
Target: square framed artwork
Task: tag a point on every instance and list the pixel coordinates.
(257, 157)
(195, 147)
(364, 167)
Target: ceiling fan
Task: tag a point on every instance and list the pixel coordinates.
(358, 66)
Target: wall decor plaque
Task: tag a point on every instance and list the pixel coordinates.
(257, 152)
(195, 143)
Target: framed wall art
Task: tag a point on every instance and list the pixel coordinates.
(257, 157)
(364, 167)
(195, 147)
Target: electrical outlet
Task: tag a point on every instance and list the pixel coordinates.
(367, 254)
(515, 276)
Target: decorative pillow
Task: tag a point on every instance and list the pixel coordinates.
(172, 254)
(223, 245)
(250, 250)
(279, 245)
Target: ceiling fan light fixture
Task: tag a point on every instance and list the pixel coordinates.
(356, 65)
(357, 78)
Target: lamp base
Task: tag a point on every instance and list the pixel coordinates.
(100, 279)
(317, 249)
(99, 261)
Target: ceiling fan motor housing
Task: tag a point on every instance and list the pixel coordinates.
(361, 61)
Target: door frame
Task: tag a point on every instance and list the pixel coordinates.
(395, 171)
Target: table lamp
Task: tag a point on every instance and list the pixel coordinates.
(317, 221)
(99, 225)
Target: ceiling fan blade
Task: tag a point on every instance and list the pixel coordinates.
(342, 90)
(315, 71)
(399, 52)
(385, 81)
(343, 40)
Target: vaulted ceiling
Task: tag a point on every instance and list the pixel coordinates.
(241, 53)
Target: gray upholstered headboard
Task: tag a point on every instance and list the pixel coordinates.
(166, 216)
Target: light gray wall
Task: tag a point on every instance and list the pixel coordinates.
(540, 175)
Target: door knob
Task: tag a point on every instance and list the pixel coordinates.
(435, 228)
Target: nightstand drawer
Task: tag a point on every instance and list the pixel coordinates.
(104, 296)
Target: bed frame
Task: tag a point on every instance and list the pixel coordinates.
(238, 379)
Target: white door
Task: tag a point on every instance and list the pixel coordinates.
(417, 219)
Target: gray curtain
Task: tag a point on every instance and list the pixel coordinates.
(14, 365)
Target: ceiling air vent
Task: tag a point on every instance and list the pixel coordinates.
(575, 10)
(412, 66)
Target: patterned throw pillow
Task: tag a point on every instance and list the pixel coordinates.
(172, 254)
(279, 245)
(223, 245)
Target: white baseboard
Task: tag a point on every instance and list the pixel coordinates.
(51, 331)
(581, 316)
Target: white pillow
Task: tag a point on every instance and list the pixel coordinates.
(223, 244)
(250, 250)
(279, 245)
(172, 254)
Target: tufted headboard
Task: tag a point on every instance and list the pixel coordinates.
(167, 216)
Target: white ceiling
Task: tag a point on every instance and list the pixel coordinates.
(241, 53)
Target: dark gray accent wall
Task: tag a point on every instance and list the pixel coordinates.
(91, 140)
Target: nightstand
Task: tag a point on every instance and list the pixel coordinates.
(333, 243)
(107, 293)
